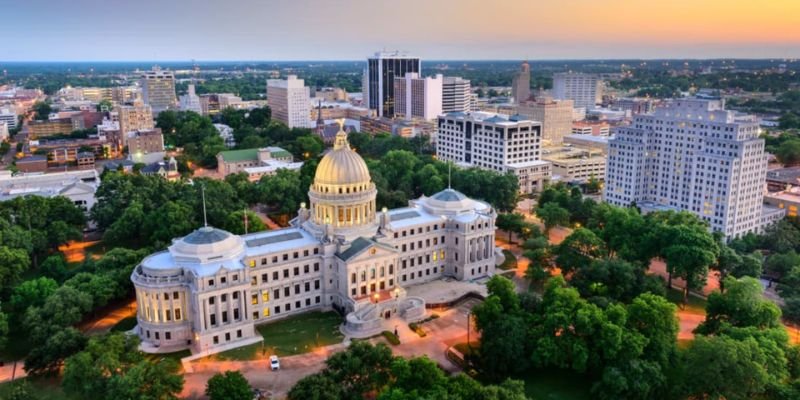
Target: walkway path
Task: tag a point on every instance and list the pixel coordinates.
(105, 322)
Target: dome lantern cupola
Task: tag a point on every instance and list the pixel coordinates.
(343, 194)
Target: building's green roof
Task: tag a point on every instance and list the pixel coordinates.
(239, 155)
(252, 154)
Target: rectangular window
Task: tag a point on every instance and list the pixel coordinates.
(296, 271)
(224, 297)
(252, 263)
(316, 267)
(305, 269)
(297, 289)
(211, 300)
(277, 309)
(286, 273)
(264, 278)
(286, 291)
(177, 314)
(169, 315)
(235, 314)
(276, 294)
(227, 336)
(213, 319)
(275, 276)
(265, 296)
(224, 317)
(254, 299)
(266, 311)
(316, 300)
(316, 284)
(216, 339)
(307, 286)
(255, 314)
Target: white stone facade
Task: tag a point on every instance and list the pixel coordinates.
(496, 142)
(583, 89)
(209, 289)
(289, 101)
(693, 155)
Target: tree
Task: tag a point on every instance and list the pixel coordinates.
(788, 152)
(282, 191)
(32, 293)
(580, 248)
(230, 385)
(316, 387)
(100, 287)
(42, 110)
(780, 264)
(552, 215)
(13, 262)
(362, 368)
(236, 222)
(740, 306)
(689, 250)
(725, 368)
(3, 330)
(614, 279)
(510, 222)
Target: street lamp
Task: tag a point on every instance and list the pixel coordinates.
(376, 297)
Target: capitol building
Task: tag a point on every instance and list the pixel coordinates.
(209, 289)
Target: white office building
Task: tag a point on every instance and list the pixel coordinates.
(456, 94)
(693, 155)
(3, 131)
(418, 97)
(289, 100)
(497, 142)
(9, 116)
(583, 89)
(191, 101)
(209, 289)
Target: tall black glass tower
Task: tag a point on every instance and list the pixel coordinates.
(379, 79)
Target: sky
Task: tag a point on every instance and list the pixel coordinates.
(285, 30)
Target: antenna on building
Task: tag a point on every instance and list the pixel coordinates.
(449, 165)
(205, 217)
(245, 220)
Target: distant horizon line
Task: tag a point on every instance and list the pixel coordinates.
(788, 59)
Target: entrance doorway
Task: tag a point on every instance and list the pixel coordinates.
(387, 314)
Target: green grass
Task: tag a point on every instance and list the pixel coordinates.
(510, 261)
(294, 335)
(556, 384)
(124, 325)
(40, 388)
(175, 356)
(695, 305)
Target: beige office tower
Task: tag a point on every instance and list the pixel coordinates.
(521, 83)
(289, 100)
(136, 117)
(555, 116)
(158, 89)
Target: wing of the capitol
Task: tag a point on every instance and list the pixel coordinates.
(209, 289)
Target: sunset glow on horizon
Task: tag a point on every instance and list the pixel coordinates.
(443, 29)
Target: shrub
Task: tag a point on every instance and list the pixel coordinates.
(391, 338)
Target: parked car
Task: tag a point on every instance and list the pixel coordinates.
(274, 363)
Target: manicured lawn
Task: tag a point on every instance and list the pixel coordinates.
(290, 336)
(510, 262)
(175, 356)
(555, 384)
(695, 304)
(41, 388)
(124, 325)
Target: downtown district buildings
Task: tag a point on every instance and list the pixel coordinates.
(210, 288)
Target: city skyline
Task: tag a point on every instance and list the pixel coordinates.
(446, 30)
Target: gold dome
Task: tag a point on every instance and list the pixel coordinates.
(342, 166)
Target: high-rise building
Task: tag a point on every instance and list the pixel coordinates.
(290, 101)
(496, 142)
(135, 117)
(583, 89)
(456, 94)
(555, 116)
(521, 83)
(379, 77)
(191, 101)
(3, 131)
(417, 97)
(692, 155)
(158, 89)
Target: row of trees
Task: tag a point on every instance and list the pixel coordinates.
(786, 147)
(367, 370)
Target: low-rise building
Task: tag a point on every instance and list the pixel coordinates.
(783, 179)
(78, 186)
(255, 162)
(32, 164)
(594, 128)
(591, 142)
(165, 169)
(85, 160)
(572, 164)
(146, 146)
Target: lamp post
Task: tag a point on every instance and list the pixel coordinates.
(469, 345)
(376, 297)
